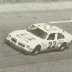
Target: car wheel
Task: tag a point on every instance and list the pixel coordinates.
(36, 50)
(63, 47)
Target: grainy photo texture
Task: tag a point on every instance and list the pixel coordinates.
(35, 36)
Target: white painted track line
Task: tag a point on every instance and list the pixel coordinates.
(60, 21)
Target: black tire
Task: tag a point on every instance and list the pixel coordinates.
(36, 50)
(63, 47)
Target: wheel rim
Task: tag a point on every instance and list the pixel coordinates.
(62, 48)
(36, 52)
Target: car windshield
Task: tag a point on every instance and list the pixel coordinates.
(37, 31)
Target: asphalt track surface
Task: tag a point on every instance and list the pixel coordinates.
(14, 61)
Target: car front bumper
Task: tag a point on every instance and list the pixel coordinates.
(16, 46)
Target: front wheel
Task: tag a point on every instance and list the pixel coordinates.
(36, 50)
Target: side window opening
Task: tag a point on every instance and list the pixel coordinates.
(60, 36)
(51, 36)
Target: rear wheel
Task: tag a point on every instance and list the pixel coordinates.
(63, 47)
(36, 50)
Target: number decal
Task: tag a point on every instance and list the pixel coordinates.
(50, 44)
(54, 43)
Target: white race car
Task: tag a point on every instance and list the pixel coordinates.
(40, 37)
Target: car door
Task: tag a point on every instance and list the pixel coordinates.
(51, 41)
(60, 39)
(48, 42)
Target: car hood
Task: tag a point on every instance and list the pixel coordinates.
(24, 36)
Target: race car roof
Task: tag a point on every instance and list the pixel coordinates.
(48, 28)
